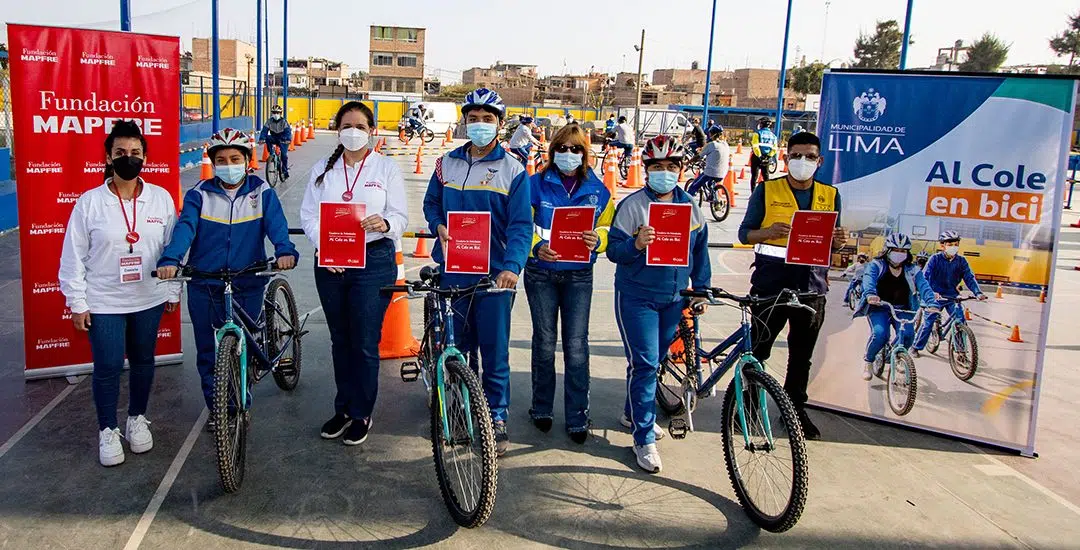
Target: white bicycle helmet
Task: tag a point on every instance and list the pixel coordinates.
(898, 240)
(949, 236)
(229, 137)
(662, 148)
(483, 98)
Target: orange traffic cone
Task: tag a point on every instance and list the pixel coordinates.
(449, 136)
(1042, 296)
(295, 140)
(254, 163)
(311, 130)
(729, 184)
(421, 249)
(738, 150)
(1015, 336)
(635, 177)
(419, 151)
(397, 339)
(967, 314)
(206, 170)
(401, 136)
(530, 166)
(742, 173)
(378, 145)
(610, 179)
(266, 152)
(543, 137)
(999, 293)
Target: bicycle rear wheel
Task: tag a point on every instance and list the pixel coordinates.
(770, 473)
(272, 170)
(720, 206)
(283, 327)
(228, 415)
(427, 135)
(902, 384)
(465, 465)
(963, 352)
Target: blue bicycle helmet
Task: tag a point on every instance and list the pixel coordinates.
(526, 120)
(483, 98)
(716, 129)
(898, 240)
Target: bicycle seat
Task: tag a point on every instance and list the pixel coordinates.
(430, 275)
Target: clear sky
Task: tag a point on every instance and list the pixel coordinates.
(577, 35)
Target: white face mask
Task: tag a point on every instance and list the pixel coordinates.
(802, 169)
(897, 258)
(952, 250)
(354, 139)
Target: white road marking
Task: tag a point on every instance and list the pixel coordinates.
(1027, 480)
(166, 483)
(33, 422)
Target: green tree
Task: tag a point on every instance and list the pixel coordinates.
(986, 55)
(455, 92)
(1068, 42)
(880, 50)
(806, 79)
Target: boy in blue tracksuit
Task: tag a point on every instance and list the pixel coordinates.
(481, 177)
(225, 222)
(647, 302)
(277, 131)
(944, 271)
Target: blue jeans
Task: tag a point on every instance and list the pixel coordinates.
(647, 329)
(880, 322)
(952, 307)
(855, 281)
(111, 337)
(701, 181)
(482, 324)
(566, 294)
(627, 148)
(522, 153)
(354, 310)
(206, 309)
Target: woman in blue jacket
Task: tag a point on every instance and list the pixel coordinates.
(647, 302)
(560, 289)
(892, 277)
(225, 222)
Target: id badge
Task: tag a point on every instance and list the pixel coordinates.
(131, 269)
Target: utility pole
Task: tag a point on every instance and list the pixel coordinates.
(708, 68)
(637, 105)
(215, 77)
(907, 36)
(125, 15)
(258, 62)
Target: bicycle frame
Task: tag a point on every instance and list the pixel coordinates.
(449, 350)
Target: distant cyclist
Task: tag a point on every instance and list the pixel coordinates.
(624, 136)
(277, 132)
(522, 142)
(609, 126)
(945, 270)
(854, 273)
(697, 136)
(763, 145)
(716, 153)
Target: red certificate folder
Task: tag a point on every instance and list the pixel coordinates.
(810, 240)
(567, 225)
(342, 240)
(672, 225)
(469, 249)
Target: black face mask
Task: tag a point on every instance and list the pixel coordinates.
(127, 167)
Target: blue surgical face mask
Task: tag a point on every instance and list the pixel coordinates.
(481, 133)
(568, 162)
(231, 174)
(662, 181)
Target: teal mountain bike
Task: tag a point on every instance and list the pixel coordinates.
(963, 347)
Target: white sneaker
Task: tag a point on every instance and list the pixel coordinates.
(110, 451)
(648, 457)
(916, 353)
(658, 432)
(138, 434)
(868, 371)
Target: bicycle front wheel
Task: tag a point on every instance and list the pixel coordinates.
(765, 455)
(720, 206)
(283, 333)
(272, 170)
(427, 135)
(902, 384)
(228, 414)
(963, 352)
(465, 463)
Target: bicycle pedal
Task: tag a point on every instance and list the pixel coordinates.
(678, 428)
(410, 371)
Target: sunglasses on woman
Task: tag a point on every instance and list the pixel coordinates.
(569, 148)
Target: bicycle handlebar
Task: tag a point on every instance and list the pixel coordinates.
(262, 268)
(893, 310)
(714, 294)
(414, 289)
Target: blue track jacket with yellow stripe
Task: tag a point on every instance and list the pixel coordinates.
(548, 193)
(496, 183)
(228, 234)
(658, 283)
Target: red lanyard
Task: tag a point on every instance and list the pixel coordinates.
(348, 194)
(132, 236)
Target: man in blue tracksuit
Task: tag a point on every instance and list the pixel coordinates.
(225, 222)
(277, 132)
(944, 271)
(647, 302)
(481, 177)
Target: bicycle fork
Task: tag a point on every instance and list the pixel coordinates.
(230, 326)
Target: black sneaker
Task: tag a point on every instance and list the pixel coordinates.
(502, 440)
(811, 431)
(357, 432)
(579, 437)
(542, 424)
(336, 426)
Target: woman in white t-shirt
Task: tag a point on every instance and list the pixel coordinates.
(350, 296)
(114, 236)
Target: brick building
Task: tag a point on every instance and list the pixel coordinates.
(397, 59)
(236, 61)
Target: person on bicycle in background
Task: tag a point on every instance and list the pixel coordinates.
(224, 223)
(797, 129)
(481, 176)
(648, 306)
(945, 271)
(894, 278)
(717, 155)
(763, 147)
(561, 289)
(766, 226)
(624, 137)
(696, 135)
(522, 142)
(854, 274)
(609, 126)
(277, 132)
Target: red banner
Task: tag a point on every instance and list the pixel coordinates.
(68, 88)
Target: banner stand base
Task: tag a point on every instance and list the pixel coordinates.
(87, 368)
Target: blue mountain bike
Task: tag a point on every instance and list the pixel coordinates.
(902, 381)
(963, 347)
(462, 434)
(764, 446)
